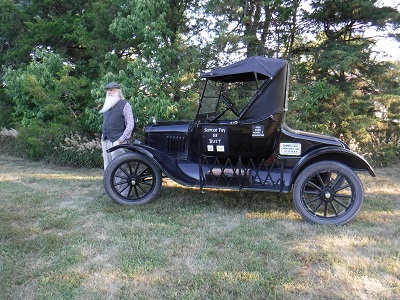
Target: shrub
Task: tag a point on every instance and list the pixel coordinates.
(53, 145)
(8, 139)
(383, 150)
(78, 151)
(36, 141)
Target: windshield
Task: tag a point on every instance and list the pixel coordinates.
(210, 98)
(225, 100)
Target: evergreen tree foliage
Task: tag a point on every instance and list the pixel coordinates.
(255, 27)
(57, 55)
(45, 91)
(335, 77)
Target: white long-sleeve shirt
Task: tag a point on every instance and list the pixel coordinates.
(129, 123)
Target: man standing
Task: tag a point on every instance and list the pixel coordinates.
(118, 122)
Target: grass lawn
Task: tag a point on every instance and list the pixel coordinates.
(61, 238)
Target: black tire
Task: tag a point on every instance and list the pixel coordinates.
(132, 179)
(328, 192)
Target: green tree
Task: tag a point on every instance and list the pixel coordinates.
(46, 92)
(255, 27)
(27, 25)
(48, 102)
(12, 20)
(159, 66)
(77, 31)
(337, 71)
(57, 55)
(94, 39)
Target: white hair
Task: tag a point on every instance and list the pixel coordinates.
(111, 100)
(121, 94)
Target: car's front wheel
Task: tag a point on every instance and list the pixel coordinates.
(132, 179)
(328, 192)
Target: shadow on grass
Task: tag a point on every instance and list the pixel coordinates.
(229, 199)
(173, 198)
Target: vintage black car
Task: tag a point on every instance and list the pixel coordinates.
(239, 140)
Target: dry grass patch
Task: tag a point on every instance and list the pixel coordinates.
(61, 238)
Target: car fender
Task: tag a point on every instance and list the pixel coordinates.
(137, 147)
(164, 162)
(341, 155)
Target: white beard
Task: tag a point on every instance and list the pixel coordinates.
(110, 101)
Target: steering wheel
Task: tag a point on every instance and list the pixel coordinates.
(230, 105)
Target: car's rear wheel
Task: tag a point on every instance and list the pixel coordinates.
(132, 179)
(328, 192)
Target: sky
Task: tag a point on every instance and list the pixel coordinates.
(389, 48)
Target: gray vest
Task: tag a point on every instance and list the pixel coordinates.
(114, 122)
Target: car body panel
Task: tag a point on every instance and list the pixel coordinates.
(252, 148)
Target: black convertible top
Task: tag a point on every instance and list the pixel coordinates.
(271, 98)
(245, 70)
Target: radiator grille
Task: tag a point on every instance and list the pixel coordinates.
(177, 145)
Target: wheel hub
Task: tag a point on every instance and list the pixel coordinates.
(327, 195)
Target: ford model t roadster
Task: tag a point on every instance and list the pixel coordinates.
(239, 140)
